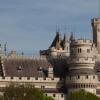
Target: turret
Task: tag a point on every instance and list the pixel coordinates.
(96, 32)
(81, 73)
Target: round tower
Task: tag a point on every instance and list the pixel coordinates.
(81, 73)
(96, 32)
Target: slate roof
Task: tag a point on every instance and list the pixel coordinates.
(29, 67)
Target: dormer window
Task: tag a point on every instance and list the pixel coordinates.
(19, 68)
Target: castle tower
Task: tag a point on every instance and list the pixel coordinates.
(96, 32)
(81, 73)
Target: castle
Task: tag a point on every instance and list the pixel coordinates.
(68, 65)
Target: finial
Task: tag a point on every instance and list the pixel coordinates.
(71, 36)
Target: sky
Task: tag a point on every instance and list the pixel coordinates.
(30, 25)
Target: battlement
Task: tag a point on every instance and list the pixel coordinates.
(82, 42)
(29, 79)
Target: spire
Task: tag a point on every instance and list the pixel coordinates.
(57, 41)
(72, 36)
(64, 41)
(65, 38)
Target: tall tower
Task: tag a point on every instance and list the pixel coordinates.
(96, 32)
(81, 73)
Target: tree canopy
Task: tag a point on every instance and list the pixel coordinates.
(82, 95)
(21, 92)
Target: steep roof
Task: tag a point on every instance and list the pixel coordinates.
(57, 41)
(29, 67)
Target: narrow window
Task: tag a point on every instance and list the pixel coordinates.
(80, 50)
(93, 77)
(62, 95)
(78, 77)
(54, 95)
(87, 77)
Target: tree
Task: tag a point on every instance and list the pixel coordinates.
(21, 92)
(82, 95)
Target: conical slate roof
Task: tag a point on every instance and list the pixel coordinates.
(57, 41)
(64, 41)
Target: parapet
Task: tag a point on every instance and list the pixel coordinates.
(29, 79)
(82, 42)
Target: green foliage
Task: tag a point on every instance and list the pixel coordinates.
(16, 92)
(82, 95)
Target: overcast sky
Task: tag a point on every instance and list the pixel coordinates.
(30, 25)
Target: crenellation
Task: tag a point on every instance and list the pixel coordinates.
(82, 42)
(31, 79)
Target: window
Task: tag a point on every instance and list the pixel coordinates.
(44, 78)
(11, 77)
(54, 95)
(79, 50)
(78, 77)
(20, 78)
(87, 77)
(3, 77)
(93, 77)
(19, 68)
(62, 95)
(81, 86)
(36, 78)
(42, 87)
(28, 78)
(52, 78)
